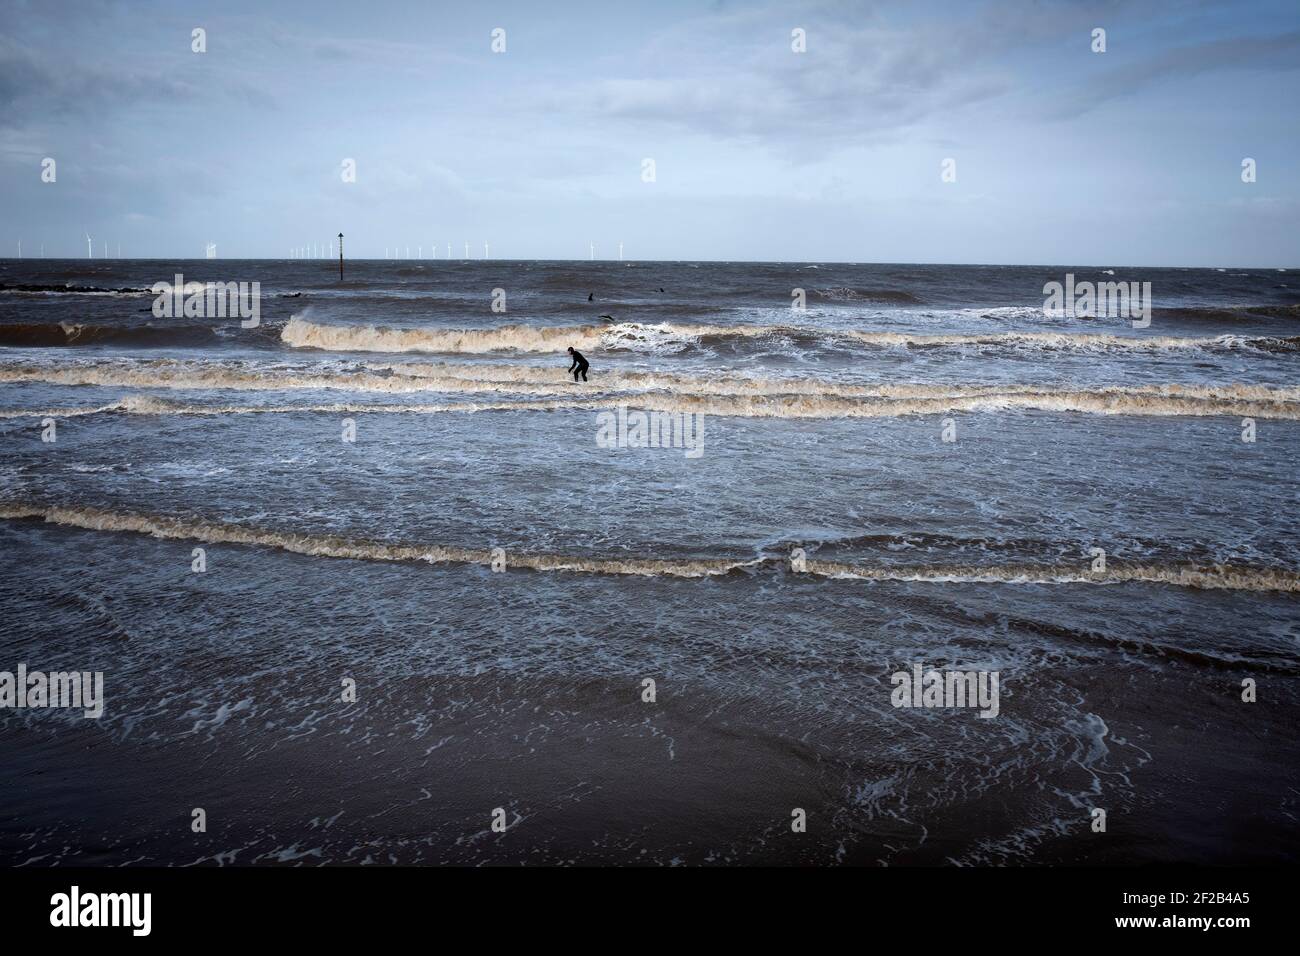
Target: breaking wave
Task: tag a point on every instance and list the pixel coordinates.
(1224, 577)
(1171, 400)
(796, 397)
(301, 333)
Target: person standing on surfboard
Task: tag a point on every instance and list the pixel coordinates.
(579, 366)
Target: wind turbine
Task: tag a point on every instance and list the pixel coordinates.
(105, 248)
(90, 250)
(593, 252)
(620, 252)
(485, 249)
(466, 248)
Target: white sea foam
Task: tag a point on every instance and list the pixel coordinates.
(928, 400)
(722, 395)
(301, 333)
(333, 546)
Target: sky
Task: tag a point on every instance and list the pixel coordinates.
(1059, 154)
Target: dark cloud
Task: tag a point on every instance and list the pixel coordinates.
(1266, 53)
(38, 88)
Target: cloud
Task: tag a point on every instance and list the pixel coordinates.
(37, 88)
(862, 79)
(1265, 53)
(31, 86)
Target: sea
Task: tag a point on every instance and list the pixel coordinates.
(371, 580)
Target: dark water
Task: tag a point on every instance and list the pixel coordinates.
(822, 436)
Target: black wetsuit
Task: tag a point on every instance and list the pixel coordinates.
(579, 366)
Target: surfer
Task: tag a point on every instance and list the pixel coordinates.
(579, 366)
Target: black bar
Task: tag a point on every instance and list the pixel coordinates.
(943, 906)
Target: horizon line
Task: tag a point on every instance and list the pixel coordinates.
(328, 261)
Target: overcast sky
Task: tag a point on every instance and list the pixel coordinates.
(1062, 155)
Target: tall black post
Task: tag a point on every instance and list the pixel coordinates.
(340, 257)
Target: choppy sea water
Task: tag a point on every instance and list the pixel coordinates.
(822, 436)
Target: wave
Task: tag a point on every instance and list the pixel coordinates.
(152, 405)
(413, 377)
(845, 294)
(1224, 577)
(54, 334)
(1161, 401)
(301, 333)
(69, 289)
(1227, 313)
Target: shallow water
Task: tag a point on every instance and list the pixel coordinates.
(825, 537)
